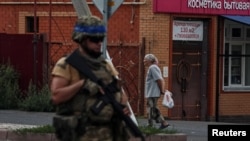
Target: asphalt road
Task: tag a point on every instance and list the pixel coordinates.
(195, 130)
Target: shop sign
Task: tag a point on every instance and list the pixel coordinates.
(188, 30)
(215, 7)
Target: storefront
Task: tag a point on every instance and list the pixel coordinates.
(209, 58)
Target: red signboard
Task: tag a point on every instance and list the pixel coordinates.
(211, 7)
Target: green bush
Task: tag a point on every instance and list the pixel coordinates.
(9, 87)
(11, 97)
(39, 129)
(37, 99)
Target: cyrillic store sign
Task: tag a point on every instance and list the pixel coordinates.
(188, 30)
(214, 7)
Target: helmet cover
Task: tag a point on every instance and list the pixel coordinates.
(88, 26)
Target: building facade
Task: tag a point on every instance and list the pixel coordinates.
(207, 81)
(202, 47)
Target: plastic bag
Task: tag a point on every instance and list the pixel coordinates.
(168, 100)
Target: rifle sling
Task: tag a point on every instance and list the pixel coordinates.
(78, 62)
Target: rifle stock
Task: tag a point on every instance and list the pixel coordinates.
(78, 62)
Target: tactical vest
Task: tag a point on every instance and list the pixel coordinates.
(88, 95)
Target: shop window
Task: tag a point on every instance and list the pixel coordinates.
(226, 65)
(247, 65)
(226, 33)
(236, 60)
(30, 24)
(236, 32)
(248, 33)
(237, 67)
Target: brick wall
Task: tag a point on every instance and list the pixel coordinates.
(155, 29)
(62, 20)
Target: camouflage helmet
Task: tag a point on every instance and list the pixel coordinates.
(88, 26)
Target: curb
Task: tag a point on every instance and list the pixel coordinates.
(6, 135)
(13, 136)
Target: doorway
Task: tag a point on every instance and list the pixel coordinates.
(189, 75)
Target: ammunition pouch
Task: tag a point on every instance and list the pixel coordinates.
(102, 113)
(68, 128)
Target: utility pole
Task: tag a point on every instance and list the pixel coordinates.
(49, 41)
(35, 47)
(107, 8)
(106, 11)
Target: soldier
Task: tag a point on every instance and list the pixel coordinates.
(74, 93)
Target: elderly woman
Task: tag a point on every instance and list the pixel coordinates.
(154, 87)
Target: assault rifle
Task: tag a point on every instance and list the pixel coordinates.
(78, 62)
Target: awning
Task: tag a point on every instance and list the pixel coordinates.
(240, 19)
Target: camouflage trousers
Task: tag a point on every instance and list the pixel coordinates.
(106, 133)
(153, 113)
(97, 133)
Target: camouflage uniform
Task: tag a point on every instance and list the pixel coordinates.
(106, 126)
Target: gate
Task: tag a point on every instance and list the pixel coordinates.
(126, 59)
(29, 59)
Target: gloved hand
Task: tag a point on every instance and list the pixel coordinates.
(91, 87)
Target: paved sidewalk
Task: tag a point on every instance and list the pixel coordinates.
(12, 119)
